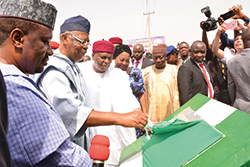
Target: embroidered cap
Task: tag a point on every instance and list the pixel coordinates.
(160, 48)
(31, 10)
(54, 44)
(103, 46)
(76, 23)
(115, 40)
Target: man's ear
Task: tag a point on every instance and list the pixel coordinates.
(93, 55)
(64, 38)
(17, 37)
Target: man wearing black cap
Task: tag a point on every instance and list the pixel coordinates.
(36, 135)
(64, 86)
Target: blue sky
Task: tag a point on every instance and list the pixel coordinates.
(177, 20)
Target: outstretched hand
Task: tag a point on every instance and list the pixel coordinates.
(220, 20)
(240, 26)
(237, 13)
(135, 118)
(201, 23)
(221, 29)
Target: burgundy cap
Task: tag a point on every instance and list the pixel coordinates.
(115, 40)
(103, 46)
(54, 44)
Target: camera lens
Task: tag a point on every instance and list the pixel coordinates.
(207, 25)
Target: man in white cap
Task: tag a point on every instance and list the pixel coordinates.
(36, 135)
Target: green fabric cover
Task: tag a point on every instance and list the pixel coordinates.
(173, 144)
(132, 149)
(234, 149)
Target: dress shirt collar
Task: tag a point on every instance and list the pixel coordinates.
(140, 61)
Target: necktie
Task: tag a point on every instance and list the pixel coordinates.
(207, 80)
(136, 64)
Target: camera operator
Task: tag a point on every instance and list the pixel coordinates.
(238, 43)
(217, 70)
(237, 15)
(221, 34)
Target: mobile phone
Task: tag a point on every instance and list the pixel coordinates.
(231, 25)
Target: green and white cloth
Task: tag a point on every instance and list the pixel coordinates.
(202, 132)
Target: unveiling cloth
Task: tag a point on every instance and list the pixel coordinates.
(162, 95)
(110, 91)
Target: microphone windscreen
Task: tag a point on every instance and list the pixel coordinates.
(99, 148)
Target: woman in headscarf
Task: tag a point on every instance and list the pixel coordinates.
(121, 56)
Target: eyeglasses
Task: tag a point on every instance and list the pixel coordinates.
(158, 57)
(82, 42)
(137, 51)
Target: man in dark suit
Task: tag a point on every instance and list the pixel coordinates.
(139, 61)
(238, 76)
(194, 76)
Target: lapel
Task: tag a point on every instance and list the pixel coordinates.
(197, 69)
(200, 72)
(143, 63)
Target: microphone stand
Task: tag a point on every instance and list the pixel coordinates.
(98, 163)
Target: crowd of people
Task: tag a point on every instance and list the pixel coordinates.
(54, 98)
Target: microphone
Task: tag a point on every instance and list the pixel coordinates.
(99, 150)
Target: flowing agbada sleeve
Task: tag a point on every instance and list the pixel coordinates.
(149, 83)
(66, 100)
(127, 101)
(62, 85)
(175, 89)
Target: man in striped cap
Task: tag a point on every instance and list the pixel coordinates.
(162, 93)
(36, 134)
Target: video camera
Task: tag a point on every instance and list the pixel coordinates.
(211, 23)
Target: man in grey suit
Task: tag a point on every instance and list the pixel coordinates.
(238, 76)
(191, 78)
